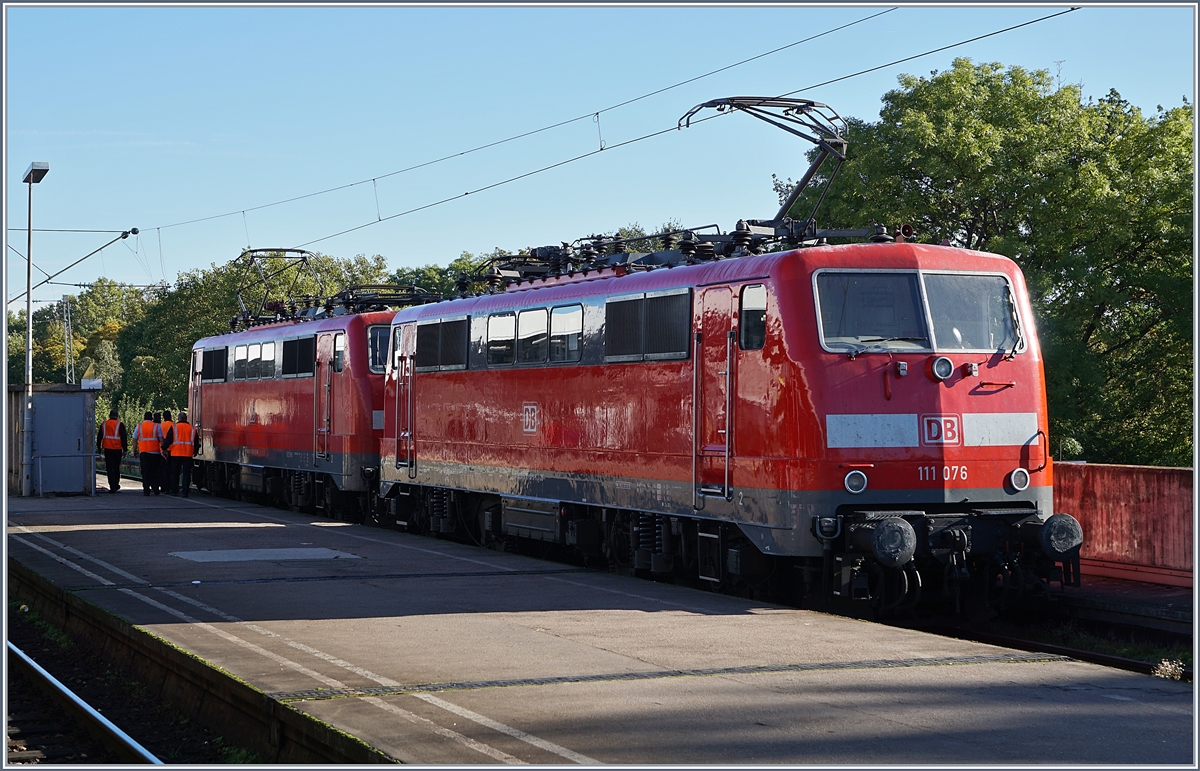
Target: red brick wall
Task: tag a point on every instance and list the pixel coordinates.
(1139, 515)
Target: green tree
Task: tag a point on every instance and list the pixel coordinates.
(442, 279)
(1092, 199)
(636, 231)
(155, 350)
(16, 347)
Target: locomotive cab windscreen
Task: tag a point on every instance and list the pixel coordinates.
(900, 311)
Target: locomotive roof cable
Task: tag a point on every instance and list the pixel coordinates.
(673, 128)
(538, 130)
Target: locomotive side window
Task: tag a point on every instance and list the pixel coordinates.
(253, 359)
(214, 365)
(656, 326)
(566, 331)
(753, 320)
(971, 312)
(668, 325)
(623, 329)
(443, 344)
(427, 345)
(339, 352)
(501, 338)
(266, 368)
(455, 336)
(299, 356)
(306, 355)
(377, 348)
(531, 336)
(881, 311)
(239, 362)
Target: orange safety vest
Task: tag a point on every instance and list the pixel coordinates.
(112, 434)
(183, 444)
(166, 427)
(147, 441)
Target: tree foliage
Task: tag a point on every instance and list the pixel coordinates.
(1092, 199)
(157, 348)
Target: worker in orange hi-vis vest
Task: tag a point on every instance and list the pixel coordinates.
(163, 429)
(181, 445)
(163, 462)
(166, 426)
(147, 446)
(113, 442)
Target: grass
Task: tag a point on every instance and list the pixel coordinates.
(235, 754)
(48, 630)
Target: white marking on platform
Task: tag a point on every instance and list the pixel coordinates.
(465, 741)
(351, 534)
(81, 555)
(262, 555)
(570, 755)
(63, 561)
(139, 526)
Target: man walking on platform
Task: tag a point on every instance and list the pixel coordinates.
(180, 444)
(147, 447)
(163, 464)
(114, 443)
(163, 429)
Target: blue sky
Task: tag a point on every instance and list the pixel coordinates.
(153, 116)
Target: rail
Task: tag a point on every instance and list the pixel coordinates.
(96, 724)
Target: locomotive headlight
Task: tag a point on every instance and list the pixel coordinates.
(1019, 479)
(941, 368)
(856, 482)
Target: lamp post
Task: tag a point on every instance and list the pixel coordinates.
(34, 174)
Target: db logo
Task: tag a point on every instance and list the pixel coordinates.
(529, 418)
(941, 429)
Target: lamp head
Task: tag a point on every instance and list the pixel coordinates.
(35, 172)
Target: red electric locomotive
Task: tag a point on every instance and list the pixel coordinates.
(861, 421)
(290, 408)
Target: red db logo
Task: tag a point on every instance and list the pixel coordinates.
(941, 429)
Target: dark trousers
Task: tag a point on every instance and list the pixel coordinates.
(180, 463)
(112, 467)
(151, 470)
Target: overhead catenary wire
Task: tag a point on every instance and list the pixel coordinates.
(64, 230)
(35, 265)
(585, 116)
(124, 234)
(674, 128)
(543, 169)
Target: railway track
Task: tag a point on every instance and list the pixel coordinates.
(47, 722)
(1103, 659)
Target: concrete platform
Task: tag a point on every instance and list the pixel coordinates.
(436, 652)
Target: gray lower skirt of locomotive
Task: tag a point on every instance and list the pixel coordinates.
(776, 522)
